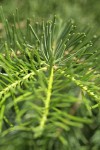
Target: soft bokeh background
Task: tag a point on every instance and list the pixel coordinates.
(84, 11)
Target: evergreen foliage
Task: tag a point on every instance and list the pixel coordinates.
(49, 86)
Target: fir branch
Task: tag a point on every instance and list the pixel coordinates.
(44, 73)
(47, 101)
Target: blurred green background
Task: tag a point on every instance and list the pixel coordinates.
(84, 11)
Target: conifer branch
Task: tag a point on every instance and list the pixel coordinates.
(47, 101)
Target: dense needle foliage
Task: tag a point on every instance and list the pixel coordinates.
(49, 84)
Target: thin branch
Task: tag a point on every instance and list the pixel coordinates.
(47, 101)
(13, 85)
